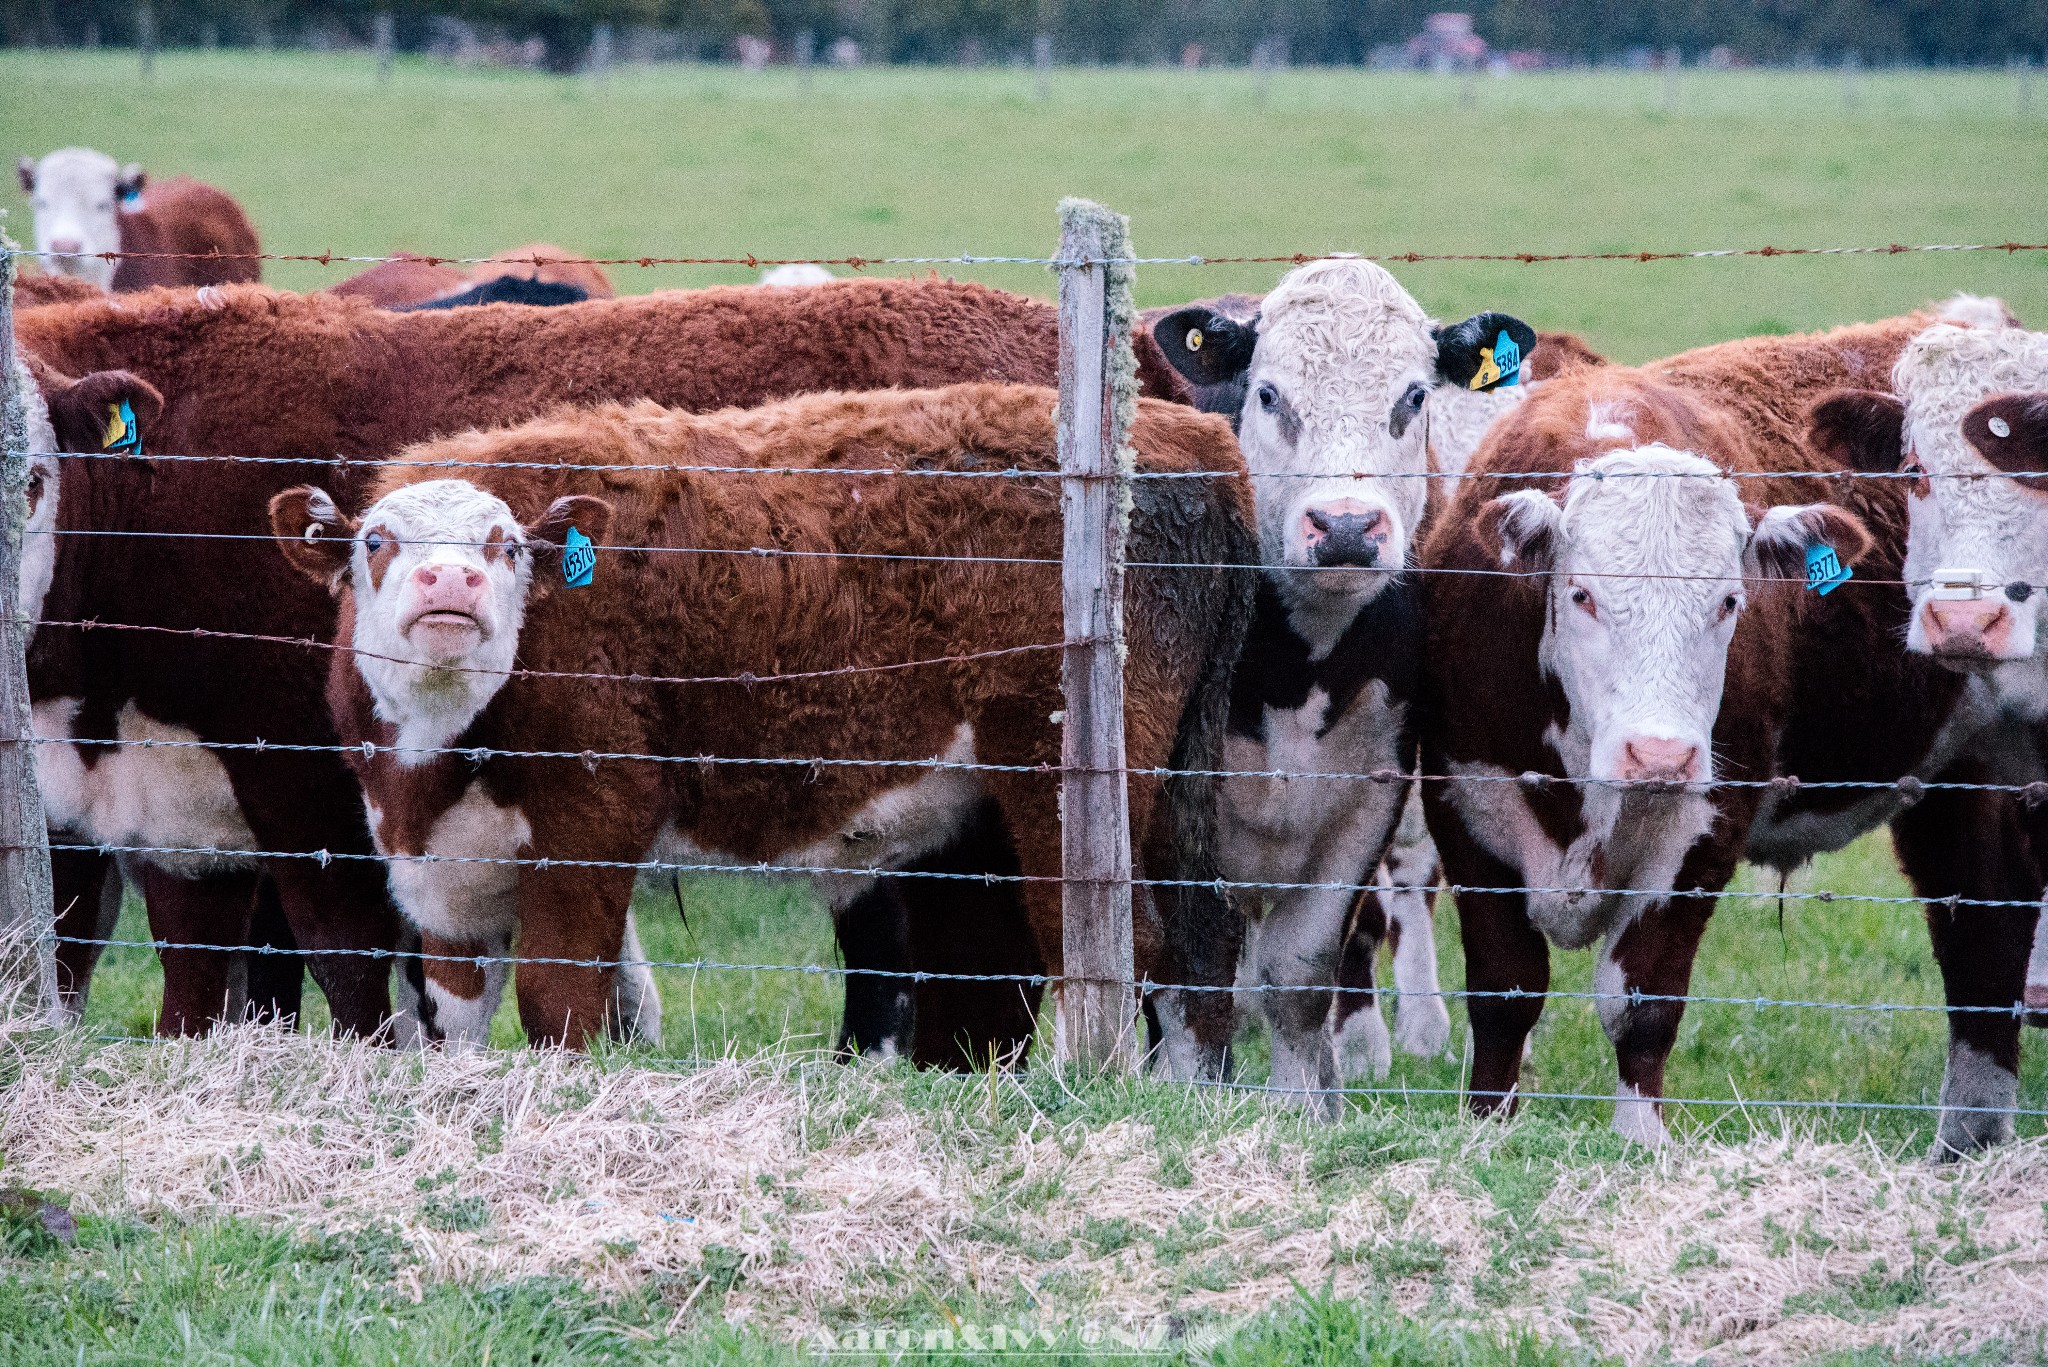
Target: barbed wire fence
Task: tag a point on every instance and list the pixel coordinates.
(1097, 994)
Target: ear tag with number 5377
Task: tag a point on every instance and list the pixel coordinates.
(1825, 571)
(579, 560)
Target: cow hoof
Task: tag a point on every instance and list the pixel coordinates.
(1422, 1026)
(1363, 1051)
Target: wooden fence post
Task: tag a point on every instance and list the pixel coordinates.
(1098, 401)
(28, 956)
(145, 37)
(384, 38)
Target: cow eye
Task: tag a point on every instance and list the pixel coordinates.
(374, 542)
(1583, 599)
(1412, 397)
(1731, 604)
(1268, 396)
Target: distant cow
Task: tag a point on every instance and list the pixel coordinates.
(340, 378)
(1334, 374)
(111, 226)
(447, 583)
(1969, 416)
(505, 289)
(1612, 625)
(407, 279)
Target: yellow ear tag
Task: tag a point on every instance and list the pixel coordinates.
(1194, 339)
(122, 432)
(1488, 374)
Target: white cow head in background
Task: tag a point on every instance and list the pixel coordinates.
(1967, 419)
(1336, 369)
(440, 573)
(78, 195)
(1645, 564)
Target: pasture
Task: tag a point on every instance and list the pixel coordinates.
(518, 1191)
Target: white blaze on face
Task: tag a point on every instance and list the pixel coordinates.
(1992, 526)
(440, 572)
(1645, 562)
(39, 540)
(1339, 344)
(76, 199)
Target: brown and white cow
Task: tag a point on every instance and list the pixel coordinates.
(1633, 641)
(110, 225)
(451, 587)
(1967, 416)
(257, 373)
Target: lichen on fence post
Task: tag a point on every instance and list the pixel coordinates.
(28, 970)
(1098, 403)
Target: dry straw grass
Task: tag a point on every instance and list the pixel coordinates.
(819, 1193)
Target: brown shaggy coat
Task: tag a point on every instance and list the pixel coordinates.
(1817, 687)
(260, 373)
(410, 279)
(726, 616)
(184, 218)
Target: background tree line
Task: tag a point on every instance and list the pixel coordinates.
(1333, 32)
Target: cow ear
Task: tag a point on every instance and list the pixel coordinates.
(1781, 537)
(1860, 429)
(1206, 346)
(1483, 352)
(2011, 431)
(547, 537)
(133, 178)
(25, 172)
(314, 535)
(108, 410)
(1522, 529)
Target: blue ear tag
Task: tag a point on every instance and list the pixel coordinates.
(1507, 358)
(579, 561)
(1825, 571)
(123, 432)
(131, 199)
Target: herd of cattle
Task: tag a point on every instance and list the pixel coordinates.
(330, 670)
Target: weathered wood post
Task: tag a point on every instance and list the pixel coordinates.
(1098, 402)
(145, 37)
(384, 38)
(28, 964)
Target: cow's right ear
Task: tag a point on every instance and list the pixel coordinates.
(314, 535)
(1206, 346)
(1522, 529)
(108, 410)
(1859, 429)
(25, 171)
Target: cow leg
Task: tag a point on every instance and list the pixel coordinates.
(1507, 962)
(1652, 954)
(1294, 950)
(345, 906)
(1966, 844)
(455, 997)
(874, 935)
(1200, 936)
(1358, 1032)
(277, 982)
(954, 926)
(580, 914)
(87, 894)
(636, 998)
(1422, 1021)
(201, 986)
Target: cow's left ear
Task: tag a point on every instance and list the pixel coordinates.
(1483, 352)
(2011, 431)
(108, 410)
(25, 172)
(1780, 538)
(547, 537)
(1861, 429)
(132, 179)
(1522, 529)
(1206, 346)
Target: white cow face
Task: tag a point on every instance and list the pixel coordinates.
(1977, 547)
(78, 195)
(1646, 562)
(1336, 370)
(38, 545)
(440, 572)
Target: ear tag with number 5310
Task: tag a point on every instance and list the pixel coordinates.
(1825, 571)
(579, 560)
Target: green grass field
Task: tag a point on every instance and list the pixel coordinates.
(711, 162)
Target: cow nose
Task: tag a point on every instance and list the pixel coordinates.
(448, 577)
(1346, 532)
(1968, 627)
(1658, 759)
(66, 246)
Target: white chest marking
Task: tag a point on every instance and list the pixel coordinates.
(172, 795)
(473, 903)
